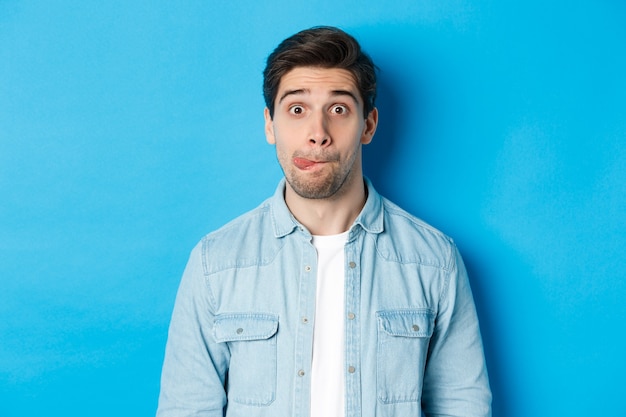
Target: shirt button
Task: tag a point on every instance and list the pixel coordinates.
(351, 369)
(352, 264)
(300, 372)
(307, 268)
(416, 327)
(351, 316)
(239, 330)
(305, 320)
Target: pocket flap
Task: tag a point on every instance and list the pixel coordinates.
(407, 323)
(244, 326)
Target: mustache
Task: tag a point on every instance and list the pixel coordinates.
(317, 156)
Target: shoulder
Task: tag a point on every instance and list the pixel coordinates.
(409, 239)
(255, 218)
(245, 241)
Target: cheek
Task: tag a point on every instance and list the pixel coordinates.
(347, 129)
(282, 152)
(286, 137)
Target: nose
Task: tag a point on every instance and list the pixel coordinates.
(318, 130)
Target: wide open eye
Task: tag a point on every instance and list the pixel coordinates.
(339, 109)
(296, 110)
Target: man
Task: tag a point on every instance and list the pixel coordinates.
(327, 300)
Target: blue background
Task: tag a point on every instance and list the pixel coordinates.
(130, 129)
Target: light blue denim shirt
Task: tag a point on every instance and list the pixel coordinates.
(241, 336)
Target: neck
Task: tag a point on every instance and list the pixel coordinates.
(330, 216)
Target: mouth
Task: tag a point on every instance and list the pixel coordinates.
(306, 164)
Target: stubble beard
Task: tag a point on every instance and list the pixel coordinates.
(324, 184)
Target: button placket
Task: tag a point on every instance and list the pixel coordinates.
(306, 311)
(353, 286)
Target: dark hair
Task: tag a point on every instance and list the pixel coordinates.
(324, 47)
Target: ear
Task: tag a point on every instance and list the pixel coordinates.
(269, 127)
(371, 121)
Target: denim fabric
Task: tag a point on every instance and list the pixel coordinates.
(240, 339)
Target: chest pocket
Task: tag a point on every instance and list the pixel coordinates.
(403, 338)
(251, 339)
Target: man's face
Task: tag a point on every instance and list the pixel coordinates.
(318, 129)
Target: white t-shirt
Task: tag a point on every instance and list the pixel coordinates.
(327, 372)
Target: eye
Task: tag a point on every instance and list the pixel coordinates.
(296, 110)
(339, 109)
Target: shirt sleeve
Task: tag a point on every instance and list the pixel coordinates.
(194, 369)
(455, 379)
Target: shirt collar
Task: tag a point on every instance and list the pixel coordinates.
(370, 219)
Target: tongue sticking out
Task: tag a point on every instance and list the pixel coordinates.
(303, 163)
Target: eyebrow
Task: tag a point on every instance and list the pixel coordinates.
(334, 93)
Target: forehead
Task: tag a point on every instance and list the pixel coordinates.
(320, 80)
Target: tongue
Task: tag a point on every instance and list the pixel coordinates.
(303, 163)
